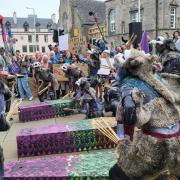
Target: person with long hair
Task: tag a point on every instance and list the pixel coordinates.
(176, 39)
(45, 63)
(23, 83)
(75, 59)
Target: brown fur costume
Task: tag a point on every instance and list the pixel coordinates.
(147, 155)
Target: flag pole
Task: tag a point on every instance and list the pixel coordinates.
(139, 10)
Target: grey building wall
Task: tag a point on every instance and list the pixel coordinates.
(124, 8)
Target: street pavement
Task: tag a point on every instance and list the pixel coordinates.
(8, 139)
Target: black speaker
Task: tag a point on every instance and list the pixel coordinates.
(55, 36)
(136, 28)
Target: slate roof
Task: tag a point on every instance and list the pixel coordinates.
(30, 20)
(84, 6)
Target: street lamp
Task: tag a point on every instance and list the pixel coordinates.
(139, 10)
(34, 27)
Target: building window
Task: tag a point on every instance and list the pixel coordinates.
(45, 38)
(8, 25)
(123, 27)
(43, 49)
(30, 38)
(37, 47)
(37, 38)
(173, 17)
(135, 16)
(65, 22)
(24, 48)
(31, 48)
(112, 24)
(49, 25)
(26, 27)
(37, 27)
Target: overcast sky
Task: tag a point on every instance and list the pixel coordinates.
(43, 8)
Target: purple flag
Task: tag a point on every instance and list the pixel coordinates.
(144, 42)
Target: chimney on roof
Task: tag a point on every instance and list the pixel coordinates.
(14, 17)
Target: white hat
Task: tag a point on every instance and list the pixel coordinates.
(107, 51)
(91, 51)
(160, 40)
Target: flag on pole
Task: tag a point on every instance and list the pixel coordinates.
(4, 34)
(144, 43)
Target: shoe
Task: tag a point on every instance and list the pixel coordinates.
(21, 99)
(31, 98)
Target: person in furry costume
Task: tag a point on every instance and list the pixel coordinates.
(47, 79)
(154, 108)
(89, 99)
(5, 103)
(111, 98)
(169, 57)
(73, 72)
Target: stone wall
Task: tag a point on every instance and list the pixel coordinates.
(148, 8)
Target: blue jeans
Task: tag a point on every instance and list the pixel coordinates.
(23, 85)
(1, 171)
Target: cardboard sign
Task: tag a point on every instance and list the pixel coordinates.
(64, 42)
(59, 74)
(84, 68)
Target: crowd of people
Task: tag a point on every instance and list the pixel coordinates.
(139, 88)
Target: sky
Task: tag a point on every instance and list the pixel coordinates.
(43, 8)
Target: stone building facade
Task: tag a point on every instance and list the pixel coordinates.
(157, 17)
(28, 38)
(74, 16)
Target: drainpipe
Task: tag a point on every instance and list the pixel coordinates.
(157, 16)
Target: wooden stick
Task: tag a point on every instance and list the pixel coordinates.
(110, 129)
(106, 133)
(14, 108)
(43, 90)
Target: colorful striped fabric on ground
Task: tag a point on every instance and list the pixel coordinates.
(68, 137)
(85, 166)
(45, 110)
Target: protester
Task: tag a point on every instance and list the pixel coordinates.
(176, 39)
(58, 55)
(23, 84)
(166, 35)
(53, 58)
(68, 57)
(75, 59)
(101, 44)
(45, 63)
(2, 60)
(18, 55)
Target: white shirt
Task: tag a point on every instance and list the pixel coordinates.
(104, 66)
